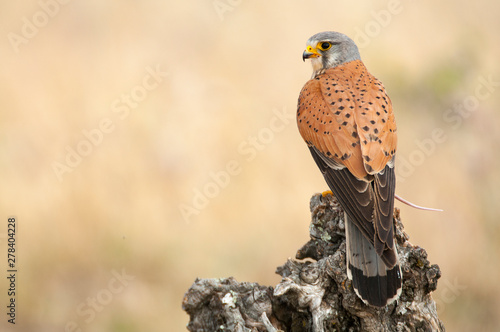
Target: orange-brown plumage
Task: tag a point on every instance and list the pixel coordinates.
(346, 114)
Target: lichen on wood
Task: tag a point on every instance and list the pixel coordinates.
(315, 293)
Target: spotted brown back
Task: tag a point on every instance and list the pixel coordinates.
(346, 114)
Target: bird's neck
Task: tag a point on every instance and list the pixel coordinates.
(317, 65)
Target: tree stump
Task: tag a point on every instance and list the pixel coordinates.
(315, 294)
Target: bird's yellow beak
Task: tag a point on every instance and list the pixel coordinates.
(310, 52)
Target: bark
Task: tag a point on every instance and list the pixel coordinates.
(315, 294)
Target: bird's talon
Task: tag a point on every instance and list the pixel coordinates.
(325, 193)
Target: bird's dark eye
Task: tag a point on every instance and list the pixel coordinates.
(324, 46)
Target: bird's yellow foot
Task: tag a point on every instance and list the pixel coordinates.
(328, 192)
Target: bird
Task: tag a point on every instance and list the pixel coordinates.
(345, 117)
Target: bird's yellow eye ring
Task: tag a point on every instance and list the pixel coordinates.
(324, 46)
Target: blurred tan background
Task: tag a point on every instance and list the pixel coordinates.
(156, 140)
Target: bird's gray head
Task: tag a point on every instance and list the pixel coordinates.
(329, 49)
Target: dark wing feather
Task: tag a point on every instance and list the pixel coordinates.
(384, 185)
(364, 203)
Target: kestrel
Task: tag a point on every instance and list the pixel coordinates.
(346, 119)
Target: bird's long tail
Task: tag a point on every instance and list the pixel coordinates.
(373, 281)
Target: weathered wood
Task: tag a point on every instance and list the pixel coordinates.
(315, 294)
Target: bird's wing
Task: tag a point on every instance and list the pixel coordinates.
(353, 140)
(368, 203)
(326, 120)
(373, 117)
